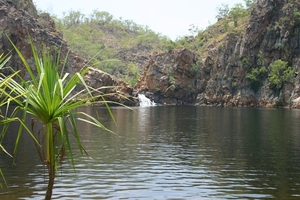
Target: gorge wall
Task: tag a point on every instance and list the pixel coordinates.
(180, 76)
(272, 33)
(169, 79)
(20, 22)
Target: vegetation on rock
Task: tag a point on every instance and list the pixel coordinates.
(234, 54)
(258, 73)
(280, 73)
(112, 45)
(230, 20)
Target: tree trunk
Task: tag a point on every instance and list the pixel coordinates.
(50, 182)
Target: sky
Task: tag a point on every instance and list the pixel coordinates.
(167, 17)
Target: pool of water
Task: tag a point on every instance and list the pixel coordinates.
(171, 153)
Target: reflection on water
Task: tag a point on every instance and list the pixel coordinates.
(173, 153)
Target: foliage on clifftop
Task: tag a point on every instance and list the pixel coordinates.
(235, 55)
(231, 21)
(116, 46)
(122, 47)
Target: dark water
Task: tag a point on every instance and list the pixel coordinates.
(172, 153)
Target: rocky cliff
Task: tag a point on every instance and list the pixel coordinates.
(169, 78)
(19, 21)
(271, 33)
(219, 76)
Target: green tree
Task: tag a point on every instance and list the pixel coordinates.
(193, 29)
(256, 76)
(101, 16)
(250, 3)
(236, 12)
(73, 18)
(222, 11)
(280, 73)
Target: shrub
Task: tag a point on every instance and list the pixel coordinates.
(236, 12)
(245, 63)
(109, 65)
(233, 84)
(258, 73)
(256, 76)
(278, 103)
(225, 25)
(280, 73)
(279, 46)
(171, 79)
(133, 75)
(194, 69)
(296, 14)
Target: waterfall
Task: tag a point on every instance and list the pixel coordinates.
(144, 101)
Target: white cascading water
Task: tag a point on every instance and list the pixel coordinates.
(144, 101)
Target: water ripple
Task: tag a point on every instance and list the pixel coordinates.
(165, 153)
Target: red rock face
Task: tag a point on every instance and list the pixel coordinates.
(169, 77)
(19, 21)
(180, 77)
(272, 31)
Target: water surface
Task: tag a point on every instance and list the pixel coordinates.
(172, 153)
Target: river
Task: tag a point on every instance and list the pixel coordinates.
(171, 153)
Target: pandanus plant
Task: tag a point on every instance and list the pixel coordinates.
(6, 97)
(50, 96)
(3, 101)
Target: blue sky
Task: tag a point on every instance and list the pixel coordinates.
(168, 17)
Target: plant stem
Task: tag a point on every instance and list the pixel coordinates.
(50, 159)
(50, 182)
